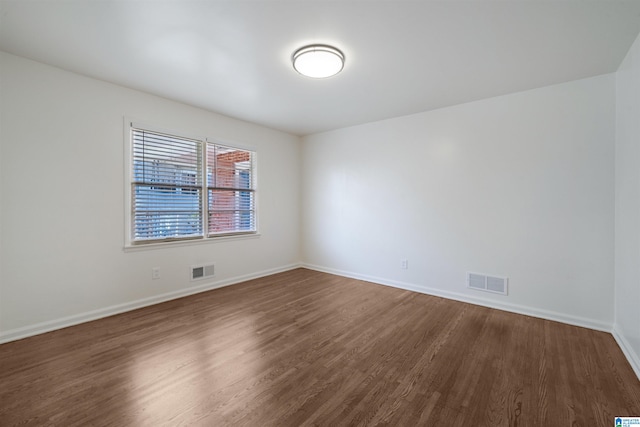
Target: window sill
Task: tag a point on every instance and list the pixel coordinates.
(193, 242)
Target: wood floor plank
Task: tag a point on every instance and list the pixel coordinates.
(304, 348)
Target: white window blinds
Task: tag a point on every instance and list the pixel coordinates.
(166, 187)
(171, 176)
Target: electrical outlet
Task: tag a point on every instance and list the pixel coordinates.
(404, 264)
(155, 273)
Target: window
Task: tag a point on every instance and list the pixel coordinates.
(185, 188)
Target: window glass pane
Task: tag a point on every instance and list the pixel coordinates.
(229, 167)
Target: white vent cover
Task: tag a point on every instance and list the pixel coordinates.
(199, 272)
(482, 282)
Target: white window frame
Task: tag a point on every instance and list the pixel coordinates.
(130, 242)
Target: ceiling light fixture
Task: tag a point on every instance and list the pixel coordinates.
(318, 61)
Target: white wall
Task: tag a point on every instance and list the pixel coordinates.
(62, 204)
(627, 202)
(519, 185)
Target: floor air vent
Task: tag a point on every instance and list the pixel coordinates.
(481, 282)
(199, 272)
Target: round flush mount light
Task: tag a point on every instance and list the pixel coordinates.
(318, 61)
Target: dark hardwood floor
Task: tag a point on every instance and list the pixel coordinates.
(308, 348)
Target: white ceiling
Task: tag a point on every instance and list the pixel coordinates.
(402, 57)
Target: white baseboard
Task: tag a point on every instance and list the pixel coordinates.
(52, 325)
(627, 349)
(513, 308)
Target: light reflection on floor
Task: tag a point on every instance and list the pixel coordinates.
(184, 379)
